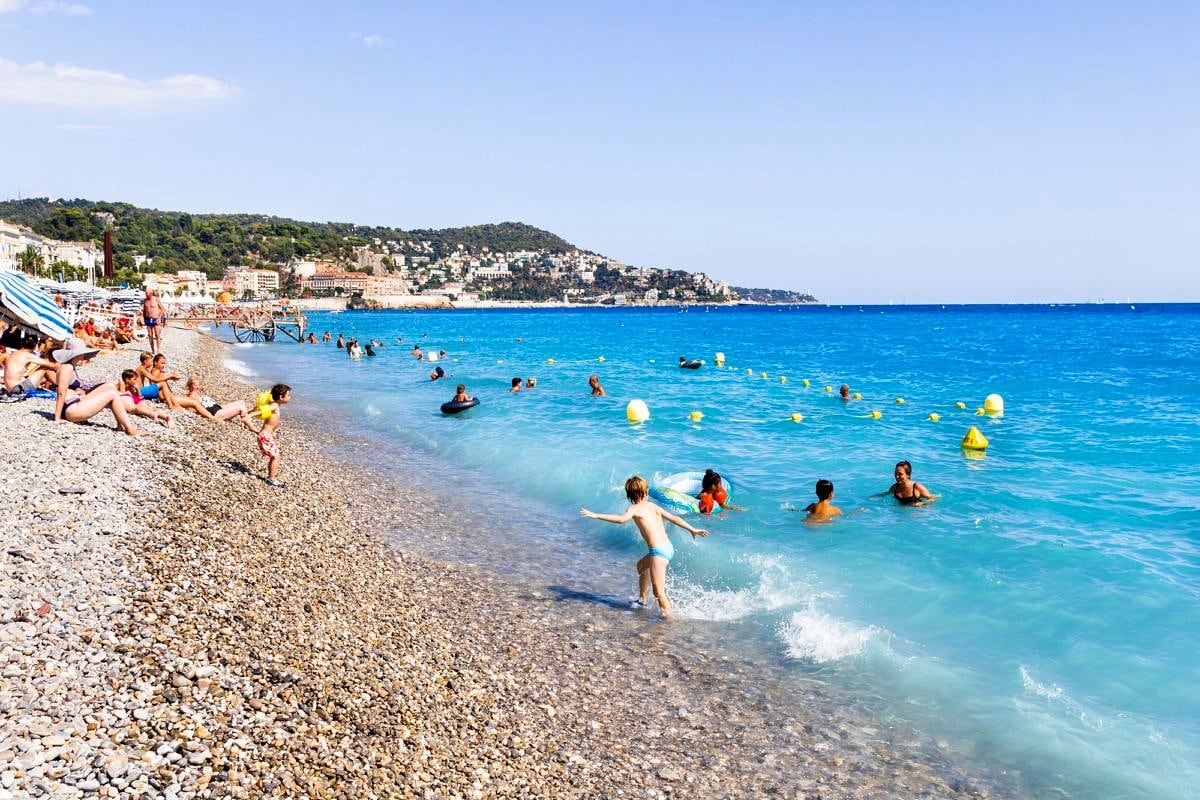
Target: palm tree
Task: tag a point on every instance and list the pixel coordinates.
(32, 261)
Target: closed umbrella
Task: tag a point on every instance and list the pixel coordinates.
(29, 307)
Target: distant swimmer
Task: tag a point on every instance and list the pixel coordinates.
(823, 510)
(437, 373)
(516, 386)
(597, 389)
(713, 493)
(341, 341)
(907, 491)
(417, 354)
(652, 567)
(844, 392)
(312, 338)
(369, 350)
(530, 383)
(326, 337)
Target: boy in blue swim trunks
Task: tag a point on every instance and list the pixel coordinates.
(652, 567)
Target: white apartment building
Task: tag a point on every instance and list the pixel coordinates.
(258, 282)
(14, 240)
(193, 281)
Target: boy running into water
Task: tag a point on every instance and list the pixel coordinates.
(823, 510)
(280, 394)
(652, 567)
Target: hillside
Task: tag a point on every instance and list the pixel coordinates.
(212, 242)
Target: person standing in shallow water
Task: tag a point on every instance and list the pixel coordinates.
(652, 567)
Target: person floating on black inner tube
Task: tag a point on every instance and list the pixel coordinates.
(460, 395)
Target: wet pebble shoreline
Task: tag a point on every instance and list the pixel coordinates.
(180, 630)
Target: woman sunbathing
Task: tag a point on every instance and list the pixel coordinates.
(76, 405)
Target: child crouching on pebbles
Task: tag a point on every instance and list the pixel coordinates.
(652, 567)
(267, 445)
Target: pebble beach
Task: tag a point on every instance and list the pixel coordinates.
(173, 627)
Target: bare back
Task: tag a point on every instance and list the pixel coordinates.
(649, 520)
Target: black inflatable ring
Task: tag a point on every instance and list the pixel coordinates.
(694, 364)
(453, 407)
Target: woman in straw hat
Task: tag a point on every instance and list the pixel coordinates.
(74, 404)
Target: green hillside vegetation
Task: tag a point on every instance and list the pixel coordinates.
(211, 242)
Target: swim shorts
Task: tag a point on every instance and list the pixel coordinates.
(268, 446)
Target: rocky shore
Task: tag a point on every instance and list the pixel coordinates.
(172, 627)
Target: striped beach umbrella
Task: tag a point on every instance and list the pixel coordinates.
(29, 307)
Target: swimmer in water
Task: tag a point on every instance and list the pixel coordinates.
(713, 493)
(907, 491)
(823, 510)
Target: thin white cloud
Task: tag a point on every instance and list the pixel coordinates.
(373, 40)
(80, 126)
(45, 7)
(66, 86)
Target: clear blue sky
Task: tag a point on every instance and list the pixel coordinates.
(867, 152)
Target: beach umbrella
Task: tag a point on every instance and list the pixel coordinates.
(29, 307)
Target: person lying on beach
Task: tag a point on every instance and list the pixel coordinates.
(136, 404)
(823, 510)
(713, 494)
(907, 491)
(652, 567)
(220, 411)
(25, 370)
(73, 403)
(267, 444)
(460, 395)
(597, 389)
(516, 386)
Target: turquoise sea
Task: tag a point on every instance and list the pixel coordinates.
(1043, 616)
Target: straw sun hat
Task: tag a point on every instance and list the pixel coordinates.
(73, 348)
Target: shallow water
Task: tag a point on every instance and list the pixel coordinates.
(1041, 616)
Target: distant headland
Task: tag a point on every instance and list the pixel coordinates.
(257, 255)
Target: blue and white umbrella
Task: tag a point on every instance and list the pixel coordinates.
(31, 308)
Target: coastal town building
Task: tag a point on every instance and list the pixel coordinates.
(256, 282)
(350, 282)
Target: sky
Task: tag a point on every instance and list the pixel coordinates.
(864, 152)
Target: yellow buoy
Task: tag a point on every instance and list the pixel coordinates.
(960, 404)
(974, 440)
(797, 416)
(876, 414)
(549, 360)
(600, 358)
(806, 382)
(829, 388)
(764, 375)
(696, 416)
(719, 359)
(934, 417)
(993, 404)
(749, 371)
(979, 411)
(857, 395)
(783, 378)
(899, 401)
(637, 411)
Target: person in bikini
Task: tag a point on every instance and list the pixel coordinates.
(907, 491)
(74, 403)
(129, 388)
(652, 567)
(219, 411)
